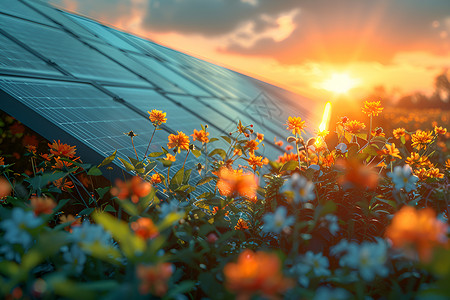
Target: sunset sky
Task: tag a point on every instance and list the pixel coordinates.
(315, 47)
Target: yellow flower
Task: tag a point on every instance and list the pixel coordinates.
(170, 157)
(322, 133)
(201, 136)
(295, 124)
(256, 161)
(241, 225)
(372, 108)
(354, 126)
(251, 145)
(440, 130)
(447, 163)
(260, 136)
(180, 141)
(392, 151)
(399, 132)
(434, 173)
(157, 117)
(421, 139)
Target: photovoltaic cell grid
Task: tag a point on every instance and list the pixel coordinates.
(69, 53)
(90, 116)
(18, 9)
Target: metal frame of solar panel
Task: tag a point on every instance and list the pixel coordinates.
(71, 78)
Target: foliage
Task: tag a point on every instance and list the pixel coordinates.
(365, 215)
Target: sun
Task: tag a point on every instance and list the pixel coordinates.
(339, 83)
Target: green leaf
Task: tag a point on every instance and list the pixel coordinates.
(204, 180)
(219, 152)
(39, 181)
(150, 167)
(128, 207)
(86, 211)
(108, 160)
(94, 171)
(403, 139)
(353, 149)
(155, 154)
(110, 208)
(127, 165)
(187, 176)
(102, 191)
(196, 153)
(213, 140)
(128, 241)
(181, 288)
(177, 179)
(289, 166)
(226, 138)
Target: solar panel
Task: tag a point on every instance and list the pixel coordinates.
(61, 18)
(14, 57)
(67, 52)
(18, 9)
(104, 33)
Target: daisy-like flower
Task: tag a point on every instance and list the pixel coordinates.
(287, 157)
(157, 117)
(241, 225)
(233, 183)
(440, 130)
(134, 189)
(399, 132)
(256, 273)
(17, 226)
(180, 141)
(392, 151)
(276, 222)
(2, 161)
(354, 126)
(372, 108)
(156, 178)
(63, 184)
(251, 146)
(447, 163)
(313, 265)
(64, 150)
(260, 136)
(417, 230)
(303, 189)
(434, 173)
(154, 279)
(88, 234)
(296, 125)
(402, 178)
(378, 132)
(145, 228)
(421, 139)
(42, 205)
(201, 136)
(256, 161)
(75, 257)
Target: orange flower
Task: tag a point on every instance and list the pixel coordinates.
(399, 132)
(145, 228)
(157, 117)
(378, 132)
(260, 136)
(42, 205)
(180, 141)
(63, 184)
(156, 178)
(356, 174)
(59, 149)
(256, 161)
(392, 151)
(372, 108)
(232, 183)
(251, 146)
(170, 157)
(61, 164)
(295, 124)
(254, 273)
(31, 148)
(201, 136)
(287, 157)
(354, 126)
(5, 188)
(241, 225)
(288, 148)
(421, 139)
(440, 130)
(237, 152)
(322, 133)
(342, 121)
(418, 229)
(447, 163)
(16, 128)
(30, 140)
(416, 159)
(154, 278)
(70, 218)
(2, 161)
(434, 173)
(135, 188)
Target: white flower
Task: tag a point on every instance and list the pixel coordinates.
(402, 178)
(303, 189)
(312, 264)
(16, 228)
(276, 222)
(368, 258)
(89, 233)
(332, 222)
(75, 256)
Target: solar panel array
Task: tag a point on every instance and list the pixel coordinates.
(92, 83)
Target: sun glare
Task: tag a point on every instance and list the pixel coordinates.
(339, 83)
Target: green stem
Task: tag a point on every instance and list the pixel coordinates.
(134, 148)
(154, 130)
(186, 157)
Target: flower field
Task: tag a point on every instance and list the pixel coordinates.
(359, 211)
